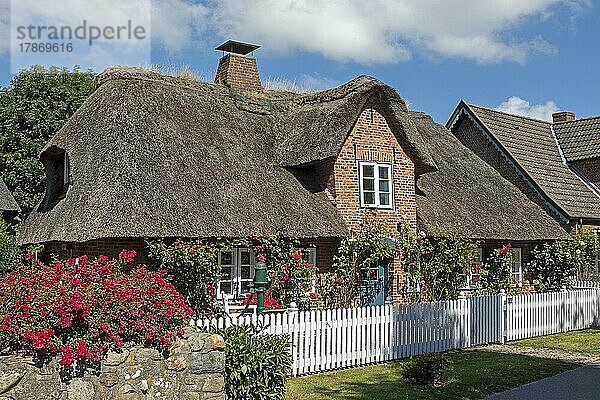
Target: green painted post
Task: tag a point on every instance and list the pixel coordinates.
(260, 284)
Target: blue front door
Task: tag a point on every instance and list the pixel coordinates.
(374, 284)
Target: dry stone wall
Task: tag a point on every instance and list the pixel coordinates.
(193, 370)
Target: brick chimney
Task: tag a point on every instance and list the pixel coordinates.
(238, 70)
(563, 116)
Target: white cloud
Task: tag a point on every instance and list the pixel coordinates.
(378, 31)
(177, 24)
(381, 31)
(519, 106)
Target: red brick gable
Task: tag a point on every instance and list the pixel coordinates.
(371, 139)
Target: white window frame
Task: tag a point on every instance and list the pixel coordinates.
(236, 278)
(236, 270)
(309, 254)
(66, 169)
(517, 253)
(376, 180)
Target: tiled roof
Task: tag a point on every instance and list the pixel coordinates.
(530, 143)
(579, 139)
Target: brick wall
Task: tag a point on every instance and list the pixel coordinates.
(238, 72)
(110, 247)
(470, 136)
(371, 139)
(590, 168)
(326, 249)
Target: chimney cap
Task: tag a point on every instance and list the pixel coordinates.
(563, 116)
(233, 46)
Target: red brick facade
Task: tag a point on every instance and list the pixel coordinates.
(590, 169)
(371, 139)
(238, 72)
(110, 247)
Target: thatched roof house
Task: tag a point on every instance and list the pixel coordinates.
(8, 206)
(149, 155)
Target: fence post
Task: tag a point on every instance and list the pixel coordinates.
(466, 321)
(503, 316)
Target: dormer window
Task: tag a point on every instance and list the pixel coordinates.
(58, 175)
(376, 185)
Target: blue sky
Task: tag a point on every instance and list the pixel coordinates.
(529, 56)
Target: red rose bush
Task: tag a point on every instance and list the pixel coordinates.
(80, 309)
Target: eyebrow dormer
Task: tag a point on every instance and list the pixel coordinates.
(58, 176)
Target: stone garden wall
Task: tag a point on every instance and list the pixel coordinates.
(192, 371)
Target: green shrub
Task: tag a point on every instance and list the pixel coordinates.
(555, 264)
(256, 363)
(427, 369)
(496, 273)
(192, 269)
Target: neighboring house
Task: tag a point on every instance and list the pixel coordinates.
(556, 164)
(9, 207)
(154, 156)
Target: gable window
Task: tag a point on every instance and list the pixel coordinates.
(375, 185)
(517, 269)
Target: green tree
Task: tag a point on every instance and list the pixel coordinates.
(9, 250)
(34, 106)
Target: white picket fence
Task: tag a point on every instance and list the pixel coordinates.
(547, 313)
(586, 284)
(323, 340)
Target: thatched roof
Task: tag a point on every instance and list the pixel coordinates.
(7, 201)
(158, 156)
(468, 195)
(319, 123)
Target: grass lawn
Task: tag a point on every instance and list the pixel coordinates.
(585, 342)
(473, 375)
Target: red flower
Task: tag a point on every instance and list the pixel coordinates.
(261, 258)
(314, 295)
(297, 256)
(82, 350)
(67, 358)
(75, 282)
